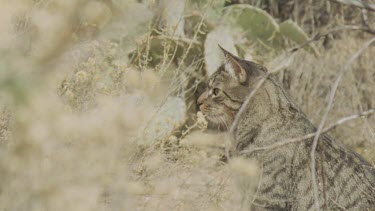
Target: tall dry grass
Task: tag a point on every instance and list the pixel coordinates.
(74, 114)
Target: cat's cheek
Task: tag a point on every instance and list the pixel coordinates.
(203, 108)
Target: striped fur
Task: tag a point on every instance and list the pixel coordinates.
(346, 181)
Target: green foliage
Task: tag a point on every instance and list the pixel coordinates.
(293, 32)
(260, 27)
(260, 30)
(256, 23)
(211, 8)
(195, 22)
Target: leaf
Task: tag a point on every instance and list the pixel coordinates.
(262, 28)
(256, 23)
(293, 32)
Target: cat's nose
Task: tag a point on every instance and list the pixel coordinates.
(202, 98)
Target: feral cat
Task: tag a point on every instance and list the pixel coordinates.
(269, 117)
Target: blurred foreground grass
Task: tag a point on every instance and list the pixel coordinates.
(91, 90)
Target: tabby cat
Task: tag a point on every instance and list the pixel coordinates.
(345, 180)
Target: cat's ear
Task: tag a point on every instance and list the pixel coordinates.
(233, 66)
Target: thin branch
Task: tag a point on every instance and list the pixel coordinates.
(259, 184)
(310, 135)
(200, 24)
(357, 3)
(318, 35)
(328, 109)
(182, 39)
(365, 18)
(322, 158)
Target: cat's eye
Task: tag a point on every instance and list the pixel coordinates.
(216, 91)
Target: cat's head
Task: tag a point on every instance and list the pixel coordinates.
(227, 89)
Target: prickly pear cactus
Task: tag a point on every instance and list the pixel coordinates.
(256, 23)
(260, 27)
(293, 32)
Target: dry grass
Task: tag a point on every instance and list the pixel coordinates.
(72, 128)
(310, 83)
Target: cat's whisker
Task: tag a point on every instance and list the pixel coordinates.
(224, 122)
(220, 121)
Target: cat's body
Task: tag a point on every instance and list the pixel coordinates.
(271, 117)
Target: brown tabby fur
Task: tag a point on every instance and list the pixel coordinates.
(269, 117)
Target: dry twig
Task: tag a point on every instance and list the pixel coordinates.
(357, 3)
(310, 135)
(317, 36)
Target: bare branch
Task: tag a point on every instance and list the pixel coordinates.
(365, 18)
(317, 36)
(310, 135)
(357, 3)
(182, 39)
(328, 109)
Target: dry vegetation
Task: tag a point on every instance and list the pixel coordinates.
(90, 94)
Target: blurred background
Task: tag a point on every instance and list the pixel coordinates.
(98, 97)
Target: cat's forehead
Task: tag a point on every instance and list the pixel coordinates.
(218, 77)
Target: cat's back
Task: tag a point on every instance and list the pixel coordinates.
(345, 181)
(350, 179)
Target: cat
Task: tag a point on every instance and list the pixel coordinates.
(269, 117)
